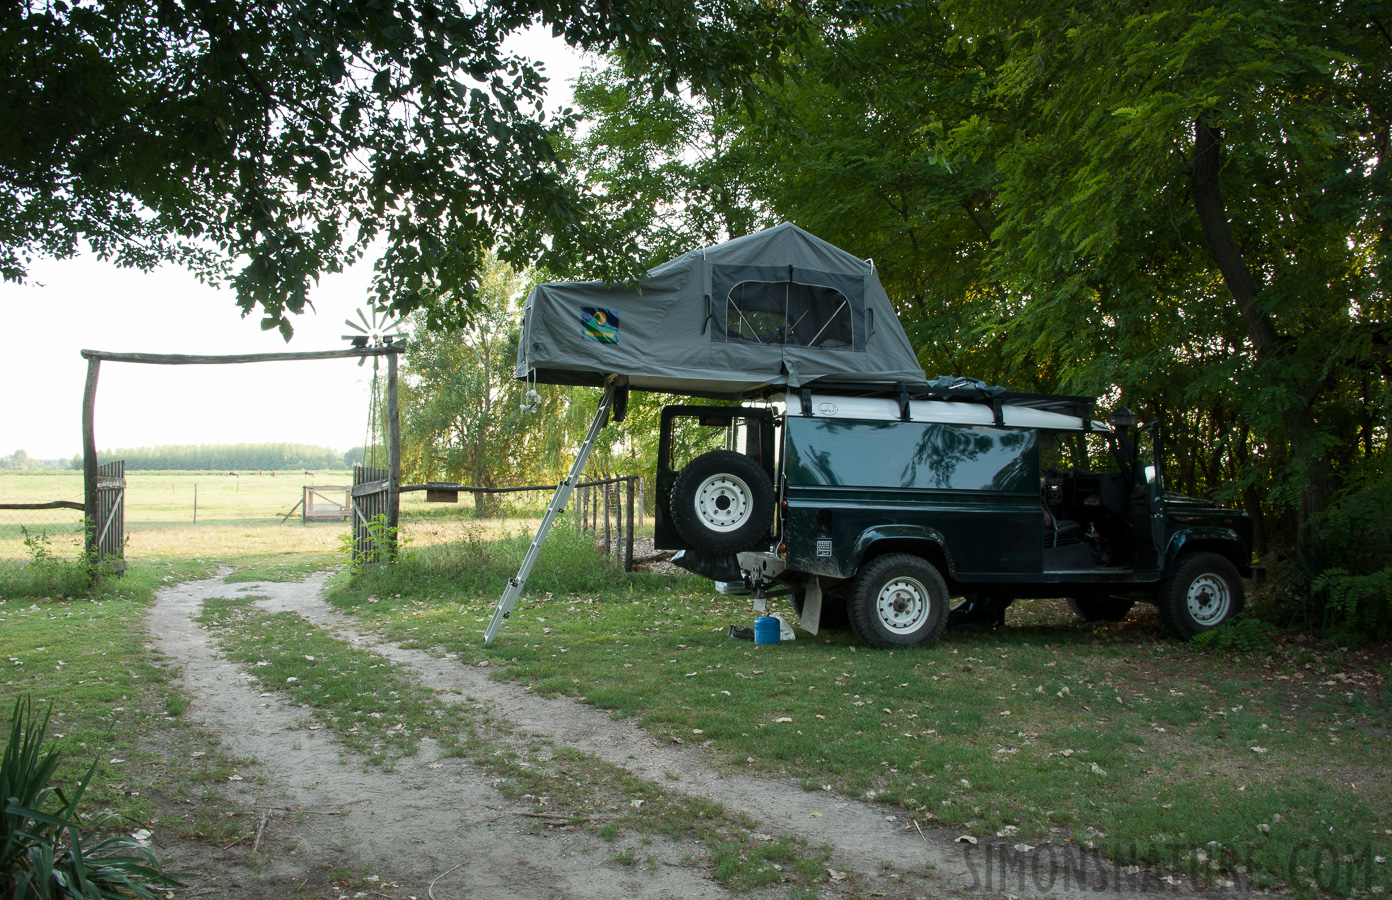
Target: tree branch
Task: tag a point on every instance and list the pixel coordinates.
(1212, 213)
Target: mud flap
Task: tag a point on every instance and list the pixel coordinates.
(811, 617)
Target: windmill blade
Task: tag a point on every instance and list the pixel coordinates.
(354, 325)
(362, 359)
(366, 324)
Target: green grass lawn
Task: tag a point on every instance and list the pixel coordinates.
(1114, 737)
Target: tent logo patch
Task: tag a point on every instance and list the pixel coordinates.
(600, 325)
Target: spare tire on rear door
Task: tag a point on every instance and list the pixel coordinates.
(722, 500)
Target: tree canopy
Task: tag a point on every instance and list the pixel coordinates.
(262, 144)
(1180, 207)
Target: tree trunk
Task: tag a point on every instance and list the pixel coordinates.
(1306, 448)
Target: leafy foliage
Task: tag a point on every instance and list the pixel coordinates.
(45, 849)
(1245, 634)
(263, 144)
(467, 419)
(1180, 208)
(666, 168)
(1353, 607)
(383, 544)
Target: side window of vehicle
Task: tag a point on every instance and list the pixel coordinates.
(694, 435)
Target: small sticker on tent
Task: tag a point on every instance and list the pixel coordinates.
(600, 325)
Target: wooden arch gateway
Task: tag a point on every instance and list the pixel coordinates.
(375, 491)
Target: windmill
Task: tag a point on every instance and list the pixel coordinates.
(381, 330)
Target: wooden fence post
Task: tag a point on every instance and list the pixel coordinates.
(628, 544)
(89, 464)
(605, 489)
(393, 459)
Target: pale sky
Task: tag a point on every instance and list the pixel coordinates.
(71, 305)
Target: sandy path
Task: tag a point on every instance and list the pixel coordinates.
(431, 814)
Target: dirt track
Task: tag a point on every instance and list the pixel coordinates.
(436, 826)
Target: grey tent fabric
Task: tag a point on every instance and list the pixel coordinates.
(776, 308)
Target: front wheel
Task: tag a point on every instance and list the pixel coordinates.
(1202, 593)
(898, 600)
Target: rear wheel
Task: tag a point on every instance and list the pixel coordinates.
(1100, 609)
(898, 600)
(722, 501)
(1201, 593)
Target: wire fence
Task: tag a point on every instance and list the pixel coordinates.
(36, 535)
(611, 509)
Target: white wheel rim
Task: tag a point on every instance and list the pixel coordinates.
(1208, 599)
(903, 604)
(724, 502)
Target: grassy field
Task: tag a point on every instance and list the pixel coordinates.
(1269, 767)
(1266, 769)
(236, 517)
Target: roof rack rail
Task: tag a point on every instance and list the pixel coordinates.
(958, 390)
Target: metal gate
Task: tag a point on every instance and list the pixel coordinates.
(110, 524)
(374, 539)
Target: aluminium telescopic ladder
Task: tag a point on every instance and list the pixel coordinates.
(558, 504)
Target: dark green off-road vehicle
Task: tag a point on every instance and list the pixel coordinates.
(903, 510)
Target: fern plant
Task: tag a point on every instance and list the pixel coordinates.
(46, 851)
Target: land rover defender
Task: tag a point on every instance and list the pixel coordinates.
(899, 510)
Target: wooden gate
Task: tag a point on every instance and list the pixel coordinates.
(110, 524)
(371, 512)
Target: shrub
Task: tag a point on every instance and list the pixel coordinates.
(1244, 634)
(1354, 607)
(46, 852)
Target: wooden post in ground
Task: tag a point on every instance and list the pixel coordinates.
(89, 465)
(642, 500)
(605, 489)
(628, 544)
(393, 458)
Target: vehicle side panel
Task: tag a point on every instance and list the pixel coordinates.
(846, 480)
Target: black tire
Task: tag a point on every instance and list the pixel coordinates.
(1100, 609)
(1201, 593)
(833, 616)
(898, 600)
(722, 501)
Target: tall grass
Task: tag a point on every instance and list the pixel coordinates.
(476, 564)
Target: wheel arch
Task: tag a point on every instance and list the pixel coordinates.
(927, 543)
(1222, 541)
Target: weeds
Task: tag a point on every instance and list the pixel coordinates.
(382, 544)
(46, 851)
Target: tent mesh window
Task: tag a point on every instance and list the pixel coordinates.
(787, 312)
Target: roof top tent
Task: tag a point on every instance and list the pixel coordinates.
(780, 308)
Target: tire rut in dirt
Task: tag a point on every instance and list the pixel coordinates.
(430, 817)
